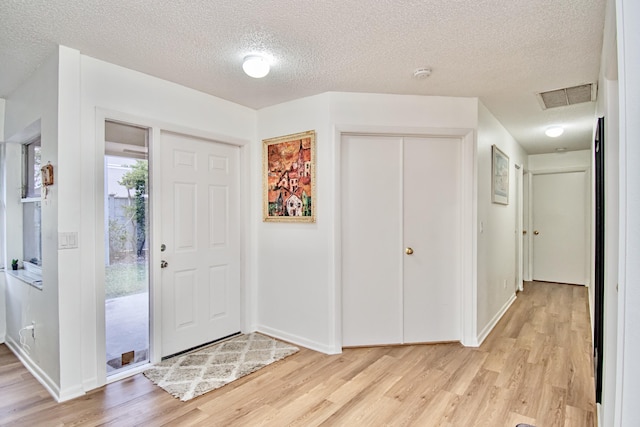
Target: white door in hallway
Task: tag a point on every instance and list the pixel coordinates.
(400, 194)
(201, 233)
(560, 227)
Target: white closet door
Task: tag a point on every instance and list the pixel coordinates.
(400, 193)
(432, 218)
(371, 240)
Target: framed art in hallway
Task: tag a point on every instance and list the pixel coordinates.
(499, 176)
(289, 181)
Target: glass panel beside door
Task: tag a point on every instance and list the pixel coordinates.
(126, 201)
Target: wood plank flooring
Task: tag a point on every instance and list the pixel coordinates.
(534, 368)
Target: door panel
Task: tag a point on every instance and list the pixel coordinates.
(559, 218)
(200, 228)
(372, 240)
(432, 229)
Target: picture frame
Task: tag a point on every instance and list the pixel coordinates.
(289, 178)
(499, 176)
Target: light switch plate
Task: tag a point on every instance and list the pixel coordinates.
(68, 240)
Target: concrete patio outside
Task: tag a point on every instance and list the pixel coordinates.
(127, 329)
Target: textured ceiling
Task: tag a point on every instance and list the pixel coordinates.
(502, 51)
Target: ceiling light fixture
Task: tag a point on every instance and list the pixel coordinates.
(554, 131)
(255, 66)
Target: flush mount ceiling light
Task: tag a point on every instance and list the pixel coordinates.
(554, 131)
(255, 66)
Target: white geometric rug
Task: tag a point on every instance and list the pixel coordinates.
(193, 374)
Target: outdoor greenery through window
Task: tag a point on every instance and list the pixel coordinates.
(31, 206)
(127, 226)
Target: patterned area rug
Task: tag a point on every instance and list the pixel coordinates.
(193, 374)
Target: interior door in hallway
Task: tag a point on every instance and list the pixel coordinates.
(559, 227)
(201, 236)
(400, 239)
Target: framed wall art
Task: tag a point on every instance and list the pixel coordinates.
(289, 178)
(499, 176)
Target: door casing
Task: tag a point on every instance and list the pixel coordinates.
(561, 276)
(468, 294)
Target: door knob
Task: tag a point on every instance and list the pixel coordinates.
(163, 247)
(164, 264)
(524, 231)
(408, 251)
(536, 232)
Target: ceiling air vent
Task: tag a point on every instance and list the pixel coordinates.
(567, 96)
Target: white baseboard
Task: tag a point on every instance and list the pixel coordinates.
(297, 340)
(492, 324)
(34, 369)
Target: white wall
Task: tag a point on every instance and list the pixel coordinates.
(3, 307)
(32, 108)
(2, 108)
(308, 311)
(607, 107)
(115, 92)
(496, 263)
(296, 309)
(628, 35)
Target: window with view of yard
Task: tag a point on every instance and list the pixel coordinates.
(31, 203)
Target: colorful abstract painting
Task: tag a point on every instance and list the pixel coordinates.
(289, 178)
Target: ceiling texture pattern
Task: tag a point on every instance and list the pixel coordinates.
(502, 51)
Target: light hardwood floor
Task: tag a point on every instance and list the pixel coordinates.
(534, 368)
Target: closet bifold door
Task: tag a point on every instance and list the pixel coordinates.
(401, 225)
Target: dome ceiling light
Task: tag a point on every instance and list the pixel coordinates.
(256, 66)
(554, 131)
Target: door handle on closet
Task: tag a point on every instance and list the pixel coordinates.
(408, 251)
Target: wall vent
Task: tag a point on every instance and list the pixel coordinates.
(567, 96)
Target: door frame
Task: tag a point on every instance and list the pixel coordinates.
(588, 214)
(247, 294)
(519, 170)
(468, 228)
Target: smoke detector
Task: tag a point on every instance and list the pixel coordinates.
(421, 73)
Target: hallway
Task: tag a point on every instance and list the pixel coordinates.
(534, 368)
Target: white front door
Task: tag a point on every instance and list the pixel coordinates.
(201, 235)
(400, 193)
(559, 227)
